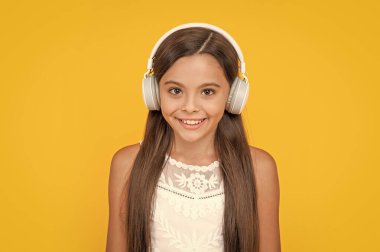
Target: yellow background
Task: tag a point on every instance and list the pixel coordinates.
(70, 96)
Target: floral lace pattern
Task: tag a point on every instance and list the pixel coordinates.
(184, 242)
(188, 208)
(189, 204)
(202, 168)
(197, 183)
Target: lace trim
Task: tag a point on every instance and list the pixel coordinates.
(185, 243)
(197, 187)
(187, 196)
(190, 204)
(202, 168)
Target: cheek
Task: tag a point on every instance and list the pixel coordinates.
(217, 108)
(168, 106)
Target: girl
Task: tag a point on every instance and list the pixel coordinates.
(194, 183)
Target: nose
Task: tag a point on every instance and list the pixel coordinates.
(190, 104)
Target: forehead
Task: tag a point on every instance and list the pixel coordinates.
(195, 70)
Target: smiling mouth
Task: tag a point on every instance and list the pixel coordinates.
(191, 122)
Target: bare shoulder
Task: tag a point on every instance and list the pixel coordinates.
(123, 159)
(268, 198)
(121, 166)
(263, 162)
(265, 170)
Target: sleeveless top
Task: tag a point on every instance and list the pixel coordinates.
(188, 208)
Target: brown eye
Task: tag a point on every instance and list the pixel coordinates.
(174, 91)
(208, 92)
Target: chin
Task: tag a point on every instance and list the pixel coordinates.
(190, 139)
(193, 137)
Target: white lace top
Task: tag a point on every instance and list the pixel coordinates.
(188, 210)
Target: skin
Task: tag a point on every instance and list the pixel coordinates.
(184, 96)
(191, 100)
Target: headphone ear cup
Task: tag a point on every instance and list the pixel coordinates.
(151, 93)
(238, 95)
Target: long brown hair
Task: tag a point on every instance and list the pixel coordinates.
(241, 227)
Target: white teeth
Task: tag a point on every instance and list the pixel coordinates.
(191, 122)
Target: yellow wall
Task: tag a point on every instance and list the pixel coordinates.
(70, 96)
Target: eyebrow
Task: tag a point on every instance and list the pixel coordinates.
(182, 85)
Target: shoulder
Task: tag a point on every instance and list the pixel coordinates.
(268, 198)
(266, 175)
(123, 159)
(125, 156)
(264, 164)
(121, 166)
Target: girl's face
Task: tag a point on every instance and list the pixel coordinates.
(193, 95)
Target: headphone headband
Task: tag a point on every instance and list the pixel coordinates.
(204, 25)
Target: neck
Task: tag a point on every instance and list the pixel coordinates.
(201, 151)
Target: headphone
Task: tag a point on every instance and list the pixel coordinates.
(238, 94)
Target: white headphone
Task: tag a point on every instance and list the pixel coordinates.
(238, 95)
